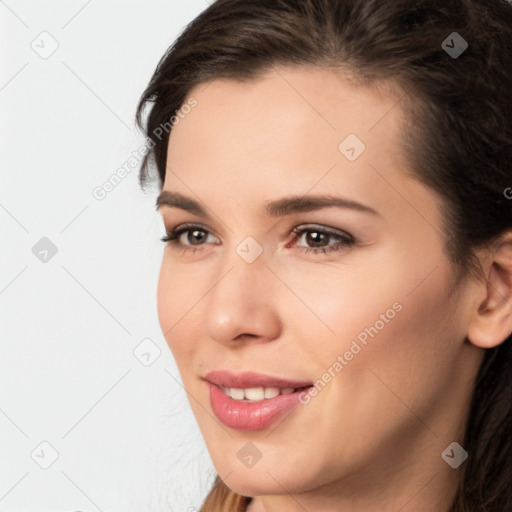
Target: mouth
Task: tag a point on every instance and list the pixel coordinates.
(258, 394)
(249, 401)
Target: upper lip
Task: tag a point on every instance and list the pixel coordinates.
(229, 379)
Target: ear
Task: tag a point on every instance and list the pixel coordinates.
(491, 318)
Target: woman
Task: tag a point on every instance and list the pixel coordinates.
(336, 285)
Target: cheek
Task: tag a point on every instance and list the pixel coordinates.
(396, 290)
(395, 318)
(392, 368)
(343, 301)
(407, 359)
(176, 297)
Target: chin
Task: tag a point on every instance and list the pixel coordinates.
(255, 485)
(263, 482)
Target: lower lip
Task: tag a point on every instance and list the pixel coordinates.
(250, 416)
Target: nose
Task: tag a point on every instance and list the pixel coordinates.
(242, 305)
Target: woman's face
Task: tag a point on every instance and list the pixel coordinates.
(318, 259)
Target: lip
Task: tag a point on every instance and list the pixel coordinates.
(250, 416)
(252, 380)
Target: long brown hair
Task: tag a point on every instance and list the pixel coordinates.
(458, 141)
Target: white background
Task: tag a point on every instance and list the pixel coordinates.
(124, 433)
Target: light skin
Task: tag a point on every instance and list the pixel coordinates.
(372, 438)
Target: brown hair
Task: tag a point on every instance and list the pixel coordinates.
(457, 138)
(222, 499)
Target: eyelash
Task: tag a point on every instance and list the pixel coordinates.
(346, 240)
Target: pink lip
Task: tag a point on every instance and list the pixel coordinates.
(249, 416)
(251, 380)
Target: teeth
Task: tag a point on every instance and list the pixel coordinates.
(271, 392)
(255, 394)
(237, 394)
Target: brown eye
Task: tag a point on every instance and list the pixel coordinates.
(193, 236)
(317, 240)
(196, 236)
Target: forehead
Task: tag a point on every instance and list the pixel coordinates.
(291, 127)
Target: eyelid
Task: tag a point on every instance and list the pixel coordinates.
(324, 229)
(190, 225)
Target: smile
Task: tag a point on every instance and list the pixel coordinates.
(256, 394)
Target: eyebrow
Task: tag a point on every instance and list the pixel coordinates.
(277, 208)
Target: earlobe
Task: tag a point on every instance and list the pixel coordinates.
(491, 320)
